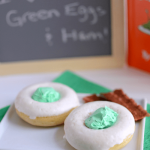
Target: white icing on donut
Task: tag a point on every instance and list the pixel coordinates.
(83, 138)
(25, 104)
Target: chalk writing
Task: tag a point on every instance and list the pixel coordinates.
(54, 29)
(8, 1)
(31, 1)
(48, 37)
(82, 36)
(73, 9)
(84, 12)
(18, 21)
(4, 1)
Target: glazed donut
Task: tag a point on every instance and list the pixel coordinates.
(46, 114)
(112, 138)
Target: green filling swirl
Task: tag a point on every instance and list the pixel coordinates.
(102, 118)
(45, 95)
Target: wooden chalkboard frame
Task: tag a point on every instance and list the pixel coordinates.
(117, 58)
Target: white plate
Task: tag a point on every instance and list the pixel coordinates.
(15, 134)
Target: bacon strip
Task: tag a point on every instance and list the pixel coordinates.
(118, 96)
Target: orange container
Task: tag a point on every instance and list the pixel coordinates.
(139, 34)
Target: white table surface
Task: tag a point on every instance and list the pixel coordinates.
(134, 82)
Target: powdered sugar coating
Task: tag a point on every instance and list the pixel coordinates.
(25, 104)
(83, 138)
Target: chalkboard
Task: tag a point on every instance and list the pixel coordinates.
(49, 29)
(55, 35)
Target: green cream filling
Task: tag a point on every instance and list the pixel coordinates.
(102, 118)
(46, 95)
